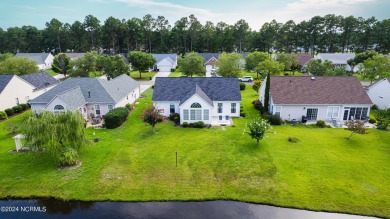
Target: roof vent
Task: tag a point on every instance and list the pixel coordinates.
(313, 78)
(89, 94)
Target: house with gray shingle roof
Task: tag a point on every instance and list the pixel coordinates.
(379, 93)
(17, 89)
(91, 96)
(212, 100)
(338, 60)
(43, 60)
(331, 99)
(165, 62)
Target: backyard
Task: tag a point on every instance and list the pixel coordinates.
(323, 172)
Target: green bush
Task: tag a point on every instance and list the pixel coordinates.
(242, 86)
(273, 119)
(3, 115)
(374, 107)
(243, 114)
(129, 107)
(320, 124)
(9, 112)
(293, 139)
(175, 117)
(24, 106)
(258, 105)
(17, 109)
(185, 124)
(198, 124)
(68, 157)
(116, 117)
(372, 121)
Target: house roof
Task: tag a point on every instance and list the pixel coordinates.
(38, 58)
(123, 55)
(377, 82)
(94, 90)
(320, 90)
(208, 56)
(75, 55)
(210, 89)
(336, 58)
(4, 80)
(303, 58)
(74, 97)
(39, 80)
(160, 57)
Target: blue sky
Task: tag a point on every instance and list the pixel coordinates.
(255, 12)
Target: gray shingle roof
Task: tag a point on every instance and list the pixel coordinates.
(39, 80)
(74, 98)
(75, 55)
(4, 80)
(320, 90)
(208, 56)
(210, 89)
(38, 58)
(336, 58)
(198, 91)
(94, 90)
(160, 57)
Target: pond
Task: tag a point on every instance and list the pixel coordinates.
(52, 208)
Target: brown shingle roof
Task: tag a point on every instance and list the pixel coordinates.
(321, 90)
(303, 58)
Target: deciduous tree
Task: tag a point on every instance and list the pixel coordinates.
(18, 66)
(151, 116)
(192, 64)
(257, 128)
(141, 61)
(229, 64)
(356, 127)
(61, 64)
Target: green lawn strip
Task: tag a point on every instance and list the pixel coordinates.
(323, 172)
(145, 76)
(95, 74)
(51, 72)
(175, 74)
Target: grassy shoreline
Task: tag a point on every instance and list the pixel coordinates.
(324, 172)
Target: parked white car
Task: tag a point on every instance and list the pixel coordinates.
(246, 79)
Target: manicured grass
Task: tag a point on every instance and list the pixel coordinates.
(145, 76)
(95, 74)
(254, 74)
(175, 74)
(51, 72)
(323, 172)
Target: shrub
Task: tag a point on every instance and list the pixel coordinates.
(243, 114)
(242, 86)
(116, 117)
(13, 129)
(96, 139)
(293, 139)
(185, 124)
(68, 157)
(374, 107)
(3, 115)
(274, 119)
(129, 107)
(9, 112)
(258, 105)
(372, 120)
(320, 124)
(199, 124)
(24, 106)
(17, 109)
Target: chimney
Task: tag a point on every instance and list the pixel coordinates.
(89, 94)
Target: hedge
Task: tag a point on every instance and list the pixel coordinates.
(9, 112)
(17, 109)
(3, 115)
(116, 117)
(24, 106)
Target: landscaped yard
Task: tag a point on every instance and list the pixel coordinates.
(323, 172)
(51, 72)
(145, 76)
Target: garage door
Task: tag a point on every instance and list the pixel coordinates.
(164, 68)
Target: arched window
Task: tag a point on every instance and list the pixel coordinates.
(59, 109)
(196, 105)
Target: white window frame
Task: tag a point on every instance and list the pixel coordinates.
(331, 113)
(278, 110)
(233, 108)
(185, 115)
(198, 114)
(220, 104)
(108, 107)
(170, 108)
(206, 114)
(56, 111)
(192, 114)
(97, 107)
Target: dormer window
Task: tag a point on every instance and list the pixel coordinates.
(196, 105)
(58, 109)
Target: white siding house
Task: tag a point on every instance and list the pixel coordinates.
(379, 93)
(43, 60)
(165, 62)
(331, 99)
(93, 97)
(338, 60)
(210, 100)
(15, 89)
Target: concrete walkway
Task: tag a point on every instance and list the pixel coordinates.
(147, 84)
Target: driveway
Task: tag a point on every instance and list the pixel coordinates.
(146, 84)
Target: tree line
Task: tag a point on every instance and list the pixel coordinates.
(329, 33)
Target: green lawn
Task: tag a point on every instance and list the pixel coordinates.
(51, 72)
(95, 74)
(175, 74)
(323, 172)
(145, 76)
(254, 75)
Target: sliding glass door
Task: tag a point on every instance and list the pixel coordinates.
(357, 113)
